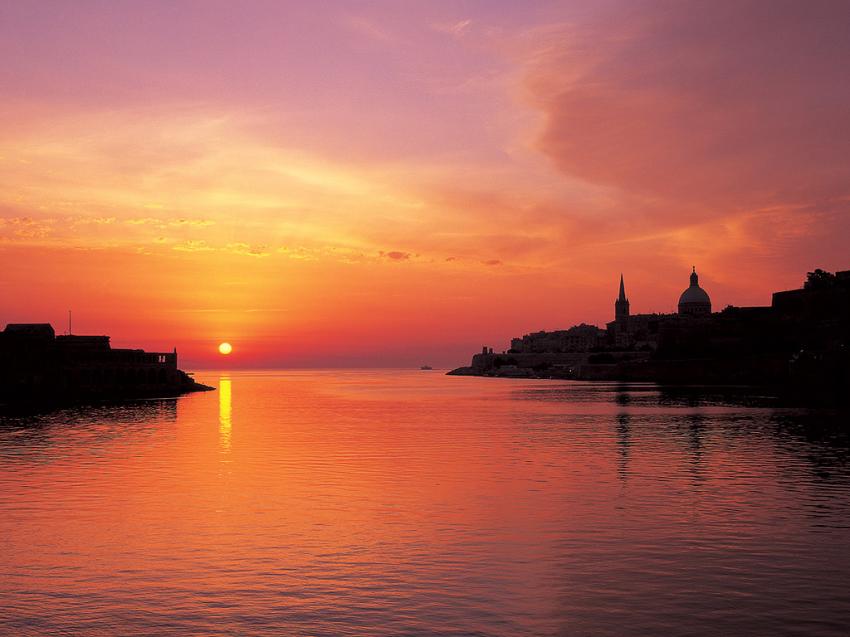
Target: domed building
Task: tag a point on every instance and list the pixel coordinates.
(694, 301)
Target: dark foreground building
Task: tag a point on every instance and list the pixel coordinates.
(42, 369)
(800, 343)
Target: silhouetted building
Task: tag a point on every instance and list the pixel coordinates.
(618, 329)
(621, 305)
(633, 331)
(694, 300)
(626, 332)
(824, 296)
(800, 343)
(30, 331)
(579, 338)
(38, 366)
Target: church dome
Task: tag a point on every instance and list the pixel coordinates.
(694, 295)
(694, 300)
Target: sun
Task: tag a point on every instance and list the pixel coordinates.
(225, 348)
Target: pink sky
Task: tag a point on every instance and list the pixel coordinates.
(394, 183)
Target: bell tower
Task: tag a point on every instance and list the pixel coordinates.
(621, 305)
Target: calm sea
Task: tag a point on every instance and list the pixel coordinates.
(411, 503)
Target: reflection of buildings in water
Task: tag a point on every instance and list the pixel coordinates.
(149, 411)
(93, 426)
(165, 409)
(822, 438)
(696, 431)
(696, 424)
(684, 396)
(623, 398)
(623, 442)
(225, 412)
(133, 411)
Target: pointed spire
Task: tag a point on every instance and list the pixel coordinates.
(621, 305)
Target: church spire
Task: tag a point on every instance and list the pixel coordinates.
(621, 305)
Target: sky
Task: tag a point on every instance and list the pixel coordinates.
(399, 183)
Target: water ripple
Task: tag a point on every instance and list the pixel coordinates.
(399, 503)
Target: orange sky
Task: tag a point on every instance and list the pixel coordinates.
(399, 183)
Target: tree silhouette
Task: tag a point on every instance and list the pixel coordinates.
(819, 280)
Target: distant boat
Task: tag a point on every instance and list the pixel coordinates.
(426, 367)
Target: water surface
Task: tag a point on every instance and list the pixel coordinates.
(411, 503)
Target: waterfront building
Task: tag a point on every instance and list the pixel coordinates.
(800, 342)
(627, 332)
(621, 305)
(694, 300)
(633, 331)
(37, 364)
(579, 338)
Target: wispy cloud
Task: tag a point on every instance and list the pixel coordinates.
(456, 29)
(396, 255)
(368, 28)
(248, 249)
(193, 246)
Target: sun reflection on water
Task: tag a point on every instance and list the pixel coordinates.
(225, 413)
(404, 503)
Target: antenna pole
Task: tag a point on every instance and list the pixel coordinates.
(69, 322)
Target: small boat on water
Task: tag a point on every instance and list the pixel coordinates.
(426, 367)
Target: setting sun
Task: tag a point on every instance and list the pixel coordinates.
(527, 295)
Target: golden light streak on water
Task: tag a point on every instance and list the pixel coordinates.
(388, 503)
(225, 412)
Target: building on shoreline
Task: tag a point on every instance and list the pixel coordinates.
(579, 338)
(37, 365)
(694, 300)
(802, 337)
(626, 331)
